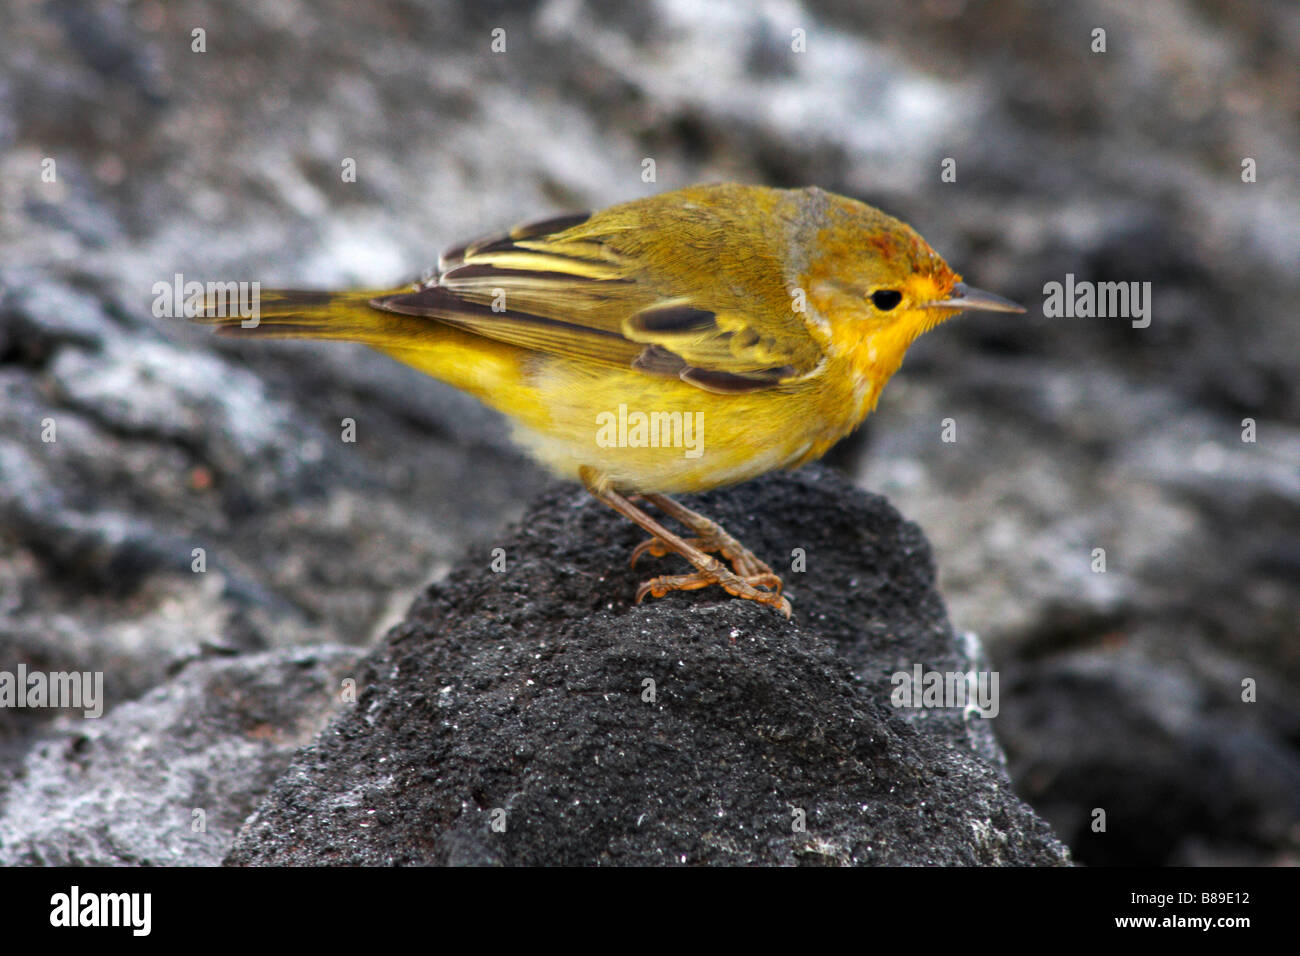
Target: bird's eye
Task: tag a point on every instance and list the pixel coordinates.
(886, 299)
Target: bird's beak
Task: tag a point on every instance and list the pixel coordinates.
(967, 297)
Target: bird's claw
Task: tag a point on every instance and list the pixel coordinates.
(743, 561)
(763, 588)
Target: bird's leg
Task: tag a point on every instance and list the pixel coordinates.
(710, 537)
(708, 570)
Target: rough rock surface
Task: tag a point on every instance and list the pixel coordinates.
(167, 779)
(1071, 434)
(521, 696)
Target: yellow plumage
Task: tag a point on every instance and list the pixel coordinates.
(671, 344)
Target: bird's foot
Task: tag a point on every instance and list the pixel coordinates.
(752, 579)
(752, 588)
(743, 561)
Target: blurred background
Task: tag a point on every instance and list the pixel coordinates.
(1120, 690)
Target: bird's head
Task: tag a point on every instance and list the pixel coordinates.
(879, 285)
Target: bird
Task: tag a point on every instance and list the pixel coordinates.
(666, 345)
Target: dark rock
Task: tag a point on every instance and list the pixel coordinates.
(522, 693)
(1186, 774)
(1073, 434)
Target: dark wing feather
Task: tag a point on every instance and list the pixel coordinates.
(561, 286)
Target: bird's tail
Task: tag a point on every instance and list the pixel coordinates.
(303, 314)
(485, 368)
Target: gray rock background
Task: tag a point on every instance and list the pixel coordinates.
(1121, 690)
(170, 777)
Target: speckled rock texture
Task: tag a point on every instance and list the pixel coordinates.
(536, 716)
(1121, 689)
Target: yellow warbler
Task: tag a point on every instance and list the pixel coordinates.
(678, 343)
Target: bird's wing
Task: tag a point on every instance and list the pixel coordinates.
(567, 286)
